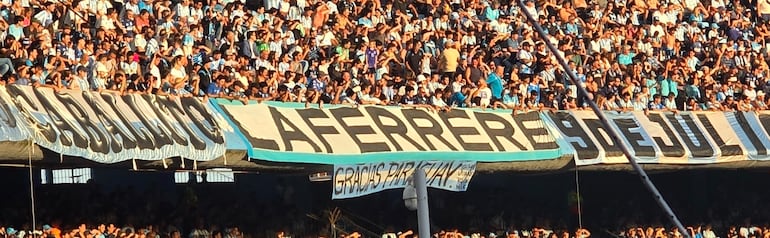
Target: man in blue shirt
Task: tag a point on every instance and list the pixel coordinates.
(495, 83)
(459, 99)
(627, 57)
(216, 89)
(656, 104)
(492, 12)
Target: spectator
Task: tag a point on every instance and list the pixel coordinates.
(700, 50)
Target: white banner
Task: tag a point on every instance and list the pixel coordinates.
(361, 179)
(12, 126)
(110, 128)
(365, 134)
(662, 137)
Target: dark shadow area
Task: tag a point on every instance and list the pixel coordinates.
(261, 204)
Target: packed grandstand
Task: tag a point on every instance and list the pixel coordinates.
(632, 56)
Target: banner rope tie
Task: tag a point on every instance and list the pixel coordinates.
(32, 186)
(33, 210)
(579, 197)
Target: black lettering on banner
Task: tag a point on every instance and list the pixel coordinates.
(341, 113)
(159, 106)
(294, 135)
(449, 171)
(507, 132)
(357, 183)
(141, 136)
(703, 149)
(378, 175)
(157, 133)
(399, 129)
(56, 116)
(750, 133)
(435, 173)
(113, 128)
(363, 184)
(435, 129)
(361, 178)
(727, 150)
(372, 184)
(170, 106)
(211, 128)
(349, 179)
(98, 141)
(339, 181)
(532, 133)
(575, 132)
(596, 128)
(406, 173)
(458, 132)
(401, 172)
(444, 172)
(46, 130)
(255, 141)
(674, 150)
(394, 169)
(625, 125)
(319, 131)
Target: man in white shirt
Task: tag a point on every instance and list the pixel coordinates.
(670, 102)
(132, 5)
(45, 17)
(271, 4)
(332, 5)
(527, 59)
(182, 10)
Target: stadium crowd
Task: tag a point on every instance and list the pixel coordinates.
(113, 231)
(630, 54)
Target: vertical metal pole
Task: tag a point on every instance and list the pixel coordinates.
(32, 190)
(605, 122)
(423, 217)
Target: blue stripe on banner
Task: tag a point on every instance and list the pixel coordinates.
(318, 158)
(234, 140)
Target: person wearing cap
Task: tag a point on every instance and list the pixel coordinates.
(526, 60)
(760, 103)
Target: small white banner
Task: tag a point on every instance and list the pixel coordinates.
(361, 179)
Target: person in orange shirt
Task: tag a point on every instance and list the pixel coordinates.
(52, 231)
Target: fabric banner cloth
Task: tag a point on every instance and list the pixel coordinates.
(13, 127)
(357, 180)
(367, 134)
(110, 128)
(663, 137)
